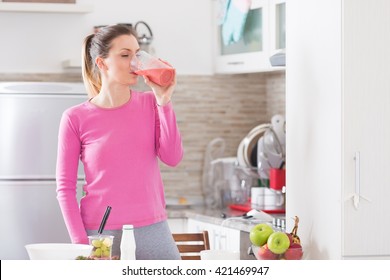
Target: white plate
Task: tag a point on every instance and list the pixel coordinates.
(251, 141)
(248, 143)
(240, 153)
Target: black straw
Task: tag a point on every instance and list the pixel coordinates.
(104, 220)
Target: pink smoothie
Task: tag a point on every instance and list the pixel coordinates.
(160, 76)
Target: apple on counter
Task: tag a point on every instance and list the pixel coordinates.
(278, 242)
(294, 252)
(265, 253)
(260, 233)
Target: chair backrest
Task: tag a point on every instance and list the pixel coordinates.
(190, 244)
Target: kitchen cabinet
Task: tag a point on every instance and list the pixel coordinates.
(221, 238)
(338, 133)
(177, 225)
(262, 36)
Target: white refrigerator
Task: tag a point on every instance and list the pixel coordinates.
(30, 114)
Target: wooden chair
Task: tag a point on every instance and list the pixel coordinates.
(190, 244)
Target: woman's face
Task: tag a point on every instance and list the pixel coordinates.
(117, 64)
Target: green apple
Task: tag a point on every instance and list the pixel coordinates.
(260, 233)
(278, 242)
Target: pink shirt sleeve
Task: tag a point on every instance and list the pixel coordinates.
(66, 174)
(168, 139)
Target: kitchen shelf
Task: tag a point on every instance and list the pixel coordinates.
(45, 8)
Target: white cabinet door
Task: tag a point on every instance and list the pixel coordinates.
(221, 238)
(230, 238)
(177, 225)
(366, 157)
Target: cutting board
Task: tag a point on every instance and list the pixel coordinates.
(247, 207)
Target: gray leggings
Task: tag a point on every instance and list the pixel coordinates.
(154, 242)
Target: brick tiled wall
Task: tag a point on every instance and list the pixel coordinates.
(219, 106)
(207, 107)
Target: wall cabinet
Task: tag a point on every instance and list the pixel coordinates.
(221, 238)
(263, 35)
(338, 126)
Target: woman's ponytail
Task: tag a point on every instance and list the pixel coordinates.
(91, 75)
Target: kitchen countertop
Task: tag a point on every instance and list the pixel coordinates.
(233, 218)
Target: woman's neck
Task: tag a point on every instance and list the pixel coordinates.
(112, 96)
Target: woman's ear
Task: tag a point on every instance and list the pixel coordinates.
(100, 63)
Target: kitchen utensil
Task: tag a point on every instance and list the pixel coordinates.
(273, 200)
(259, 215)
(248, 178)
(277, 179)
(257, 197)
(271, 142)
(278, 123)
(263, 163)
(271, 147)
(144, 39)
(225, 182)
(215, 149)
(57, 251)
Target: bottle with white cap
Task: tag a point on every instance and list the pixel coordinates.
(128, 243)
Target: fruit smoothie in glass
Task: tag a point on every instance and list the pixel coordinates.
(156, 70)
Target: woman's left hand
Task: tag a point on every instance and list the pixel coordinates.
(163, 94)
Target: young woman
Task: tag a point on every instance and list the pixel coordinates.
(119, 134)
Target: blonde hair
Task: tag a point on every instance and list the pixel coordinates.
(98, 45)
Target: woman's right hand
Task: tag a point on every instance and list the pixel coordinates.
(163, 94)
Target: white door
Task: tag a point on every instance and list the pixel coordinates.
(366, 157)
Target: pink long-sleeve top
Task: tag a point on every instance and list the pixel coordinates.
(119, 148)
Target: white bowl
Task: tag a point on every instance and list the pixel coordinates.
(57, 251)
(219, 255)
